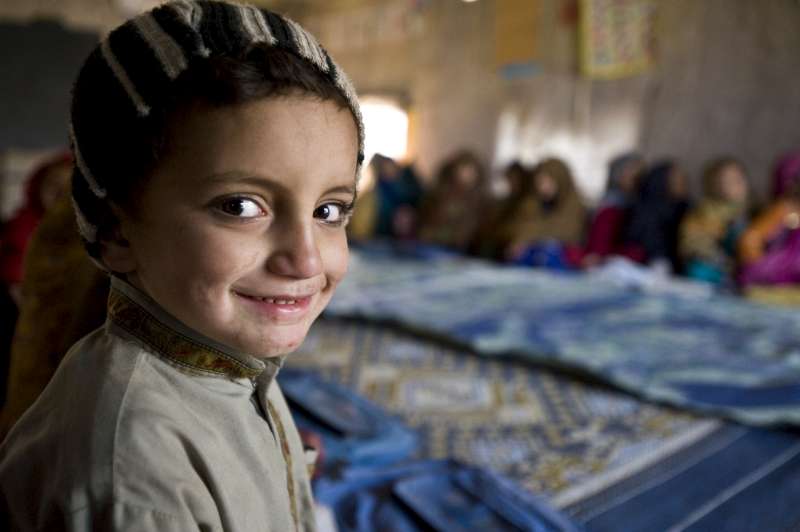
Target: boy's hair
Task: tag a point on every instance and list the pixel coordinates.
(134, 82)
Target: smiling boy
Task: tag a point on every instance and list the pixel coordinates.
(217, 148)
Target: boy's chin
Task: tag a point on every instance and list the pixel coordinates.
(279, 344)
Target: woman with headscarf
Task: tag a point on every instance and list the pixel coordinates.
(769, 251)
(47, 183)
(607, 230)
(485, 243)
(397, 195)
(656, 216)
(548, 217)
(450, 214)
(710, 232)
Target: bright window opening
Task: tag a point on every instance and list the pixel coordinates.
(386, 127)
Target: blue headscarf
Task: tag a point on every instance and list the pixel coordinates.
(656, 215)
(615, 196)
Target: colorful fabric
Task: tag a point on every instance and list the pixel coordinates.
(353, 430)
(158, 332)
(434, 495)
(717, 354)
(786, 175)
(708, 240)
(780, 265)
(605, 459)
(616, 37)
(606, 232)
(769, 249)
(546, 432)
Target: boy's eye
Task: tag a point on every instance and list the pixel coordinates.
(241, 208)
(332, 213)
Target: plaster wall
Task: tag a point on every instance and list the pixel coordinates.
(725, 82)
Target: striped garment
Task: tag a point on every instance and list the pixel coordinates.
(131, 70)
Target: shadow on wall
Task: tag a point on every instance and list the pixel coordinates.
(40, 61)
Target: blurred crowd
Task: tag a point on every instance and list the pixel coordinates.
(647, 215)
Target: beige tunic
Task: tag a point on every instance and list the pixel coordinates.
(146, 425)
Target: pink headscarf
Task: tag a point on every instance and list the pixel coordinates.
(787, 173)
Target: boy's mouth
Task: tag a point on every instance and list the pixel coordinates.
(276, 300)
(279, 307)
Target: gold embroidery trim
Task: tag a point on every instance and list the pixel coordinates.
(172, 345)
(287, 456)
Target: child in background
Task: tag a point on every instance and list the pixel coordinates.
(656, 216)
(217, 149)
(548, 217)
(607, 230)
(516, 176)
(769, 250)
(46, 185)
(48, 182)
(710, 232)
(451, 212)
(64, 300)
(397, 195)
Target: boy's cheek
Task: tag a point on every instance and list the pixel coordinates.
(336, 257)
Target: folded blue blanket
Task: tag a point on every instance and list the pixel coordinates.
(717, 354)
(353, 430)
(438, 495)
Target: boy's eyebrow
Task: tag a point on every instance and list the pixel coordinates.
(344, 189)
(270, 184)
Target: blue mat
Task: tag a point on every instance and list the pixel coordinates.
(440, 496)
(719, 355)
(605, 460)
(737, 478)
(353, 430)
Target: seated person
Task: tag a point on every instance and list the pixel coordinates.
(64, 299)
(47, 184)
(217, 149)
(547, 217)
(607, 229)
(710, 232)
(397, 196)
(656, 216)
(769, 250)
(515, 175)
(452, 210)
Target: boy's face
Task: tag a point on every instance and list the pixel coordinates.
(239, 233)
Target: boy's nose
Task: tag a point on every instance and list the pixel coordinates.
(296, 253)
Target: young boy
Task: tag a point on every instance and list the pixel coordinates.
(217, 148)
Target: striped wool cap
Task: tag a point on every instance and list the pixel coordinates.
(131, 71)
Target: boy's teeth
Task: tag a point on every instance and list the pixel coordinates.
(280, 301)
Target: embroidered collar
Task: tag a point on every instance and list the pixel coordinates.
(142, 318)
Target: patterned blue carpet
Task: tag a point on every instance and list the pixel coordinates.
(547, 432)
(717, 355)
(607, 460)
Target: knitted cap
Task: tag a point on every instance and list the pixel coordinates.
(131, 72)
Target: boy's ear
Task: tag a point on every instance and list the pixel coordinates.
(116, 251)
